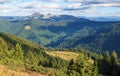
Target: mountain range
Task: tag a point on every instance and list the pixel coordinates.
(105, 18)
(64, 31)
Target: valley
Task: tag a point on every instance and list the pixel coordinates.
(65, 31)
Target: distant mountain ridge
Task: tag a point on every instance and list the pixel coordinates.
(109, 18)
(57, 17)
(64, 31)
(43, 17)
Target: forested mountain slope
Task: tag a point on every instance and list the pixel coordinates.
(20, 53)
(65, 31)
(102, 38)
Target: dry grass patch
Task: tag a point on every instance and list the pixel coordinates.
(5, 71)
(63, 54)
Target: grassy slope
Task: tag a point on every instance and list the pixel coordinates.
(67, 55)
(6, 71)
(63, 54)
(34, 57)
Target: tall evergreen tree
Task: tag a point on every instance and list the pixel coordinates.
(19, 52)
(115, 64)
(105, 65)
(114, 58)
(18, 55)
(106, 56)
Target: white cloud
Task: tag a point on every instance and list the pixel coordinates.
(38, 5)
(74, 7)
(74, 0)
(5, 9)
(4, 1)
(54, 0)
(106, 5)
(104, 1)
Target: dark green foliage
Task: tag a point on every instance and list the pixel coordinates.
(22, 53)
(108, 65)
(82, 67)
(105, 65)
(114, 58)
(103, 36)
(106, 56)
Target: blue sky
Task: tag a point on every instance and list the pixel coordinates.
(71, 7)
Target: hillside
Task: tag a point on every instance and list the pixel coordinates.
(20, 53)
(96, 38)
(6, 71)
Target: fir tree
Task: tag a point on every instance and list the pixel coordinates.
(114, 58)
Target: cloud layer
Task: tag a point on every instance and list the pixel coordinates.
(74, 7)
(4, 1)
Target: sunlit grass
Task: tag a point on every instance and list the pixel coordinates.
(6, 71)
(63, 54)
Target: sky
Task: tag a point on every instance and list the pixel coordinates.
(71, 7)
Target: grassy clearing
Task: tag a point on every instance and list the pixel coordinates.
(68, 55)
(63, 54)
